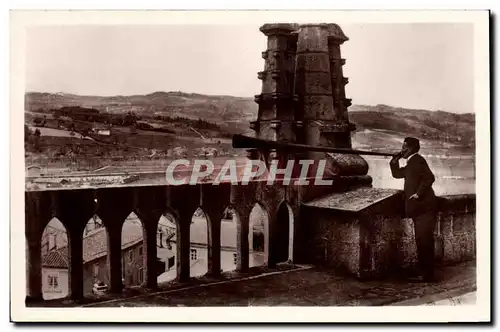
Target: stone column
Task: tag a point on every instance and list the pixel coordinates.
(273, 237)
(242, 227)
(214, 245)
(149, 254)
(150, 204)
(115, 258)
(214, 201)
(34, 270)
(183, 246)
(38, 211)
(114, 205)
(75, 238)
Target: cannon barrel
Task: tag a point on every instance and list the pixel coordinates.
(245, 142)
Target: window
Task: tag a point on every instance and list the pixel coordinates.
(140, 251)
(96, 269)
(235, 258)
(53, 282)
(194, 254)
(131, 255)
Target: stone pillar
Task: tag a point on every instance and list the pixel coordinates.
(34, 270)
(183, 246)
(75, 238)
(38, 212)
(272, 235)
(115, 258)
(242, 261)
(149, 254)
(150, 204)
(113, 207)
(214, 259)
(214, 201)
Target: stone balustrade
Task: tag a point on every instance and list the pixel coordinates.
(75, 207)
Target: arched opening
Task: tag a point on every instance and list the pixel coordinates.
(198, 249)
(132, 251)
(258, 236)
(284, 234)
(166, 248)
(228, 240)
(95, 253)
(55, 261)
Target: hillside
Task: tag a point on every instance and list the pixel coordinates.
(226, 111)
(437, 125)
(378, 127)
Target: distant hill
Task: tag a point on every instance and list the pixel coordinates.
(236, 112)
(219, 109)
(432, 125)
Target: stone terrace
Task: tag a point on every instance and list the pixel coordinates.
(305, 286)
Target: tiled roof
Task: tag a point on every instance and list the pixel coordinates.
(56, 258)
(95, 244)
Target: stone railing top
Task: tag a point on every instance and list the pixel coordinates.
(354, 200)
(362, 198)
(457, 204)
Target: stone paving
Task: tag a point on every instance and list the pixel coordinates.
(311, 287)
(467, 299)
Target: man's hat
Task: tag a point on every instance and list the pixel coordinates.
(412, 142)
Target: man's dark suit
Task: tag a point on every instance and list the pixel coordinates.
(418, 180)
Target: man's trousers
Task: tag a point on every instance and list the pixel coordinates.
(424, 236)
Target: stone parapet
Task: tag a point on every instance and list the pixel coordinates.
(370, 237)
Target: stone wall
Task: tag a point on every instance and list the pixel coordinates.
(379, 241)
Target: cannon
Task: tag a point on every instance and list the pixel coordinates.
(246, 142)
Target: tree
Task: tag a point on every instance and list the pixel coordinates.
(27, 133)
(36, 140)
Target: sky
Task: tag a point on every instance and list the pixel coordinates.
(422, 66)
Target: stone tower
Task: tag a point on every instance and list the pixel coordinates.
(303, 97)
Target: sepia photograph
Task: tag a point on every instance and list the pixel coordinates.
(312, 166)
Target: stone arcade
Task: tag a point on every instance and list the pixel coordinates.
(349, 225)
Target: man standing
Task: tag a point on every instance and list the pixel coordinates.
(420, 202)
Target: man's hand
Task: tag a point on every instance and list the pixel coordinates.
(414, 196)
(395, 159)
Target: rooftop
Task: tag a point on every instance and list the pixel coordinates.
(56, 259)
(95, 244)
